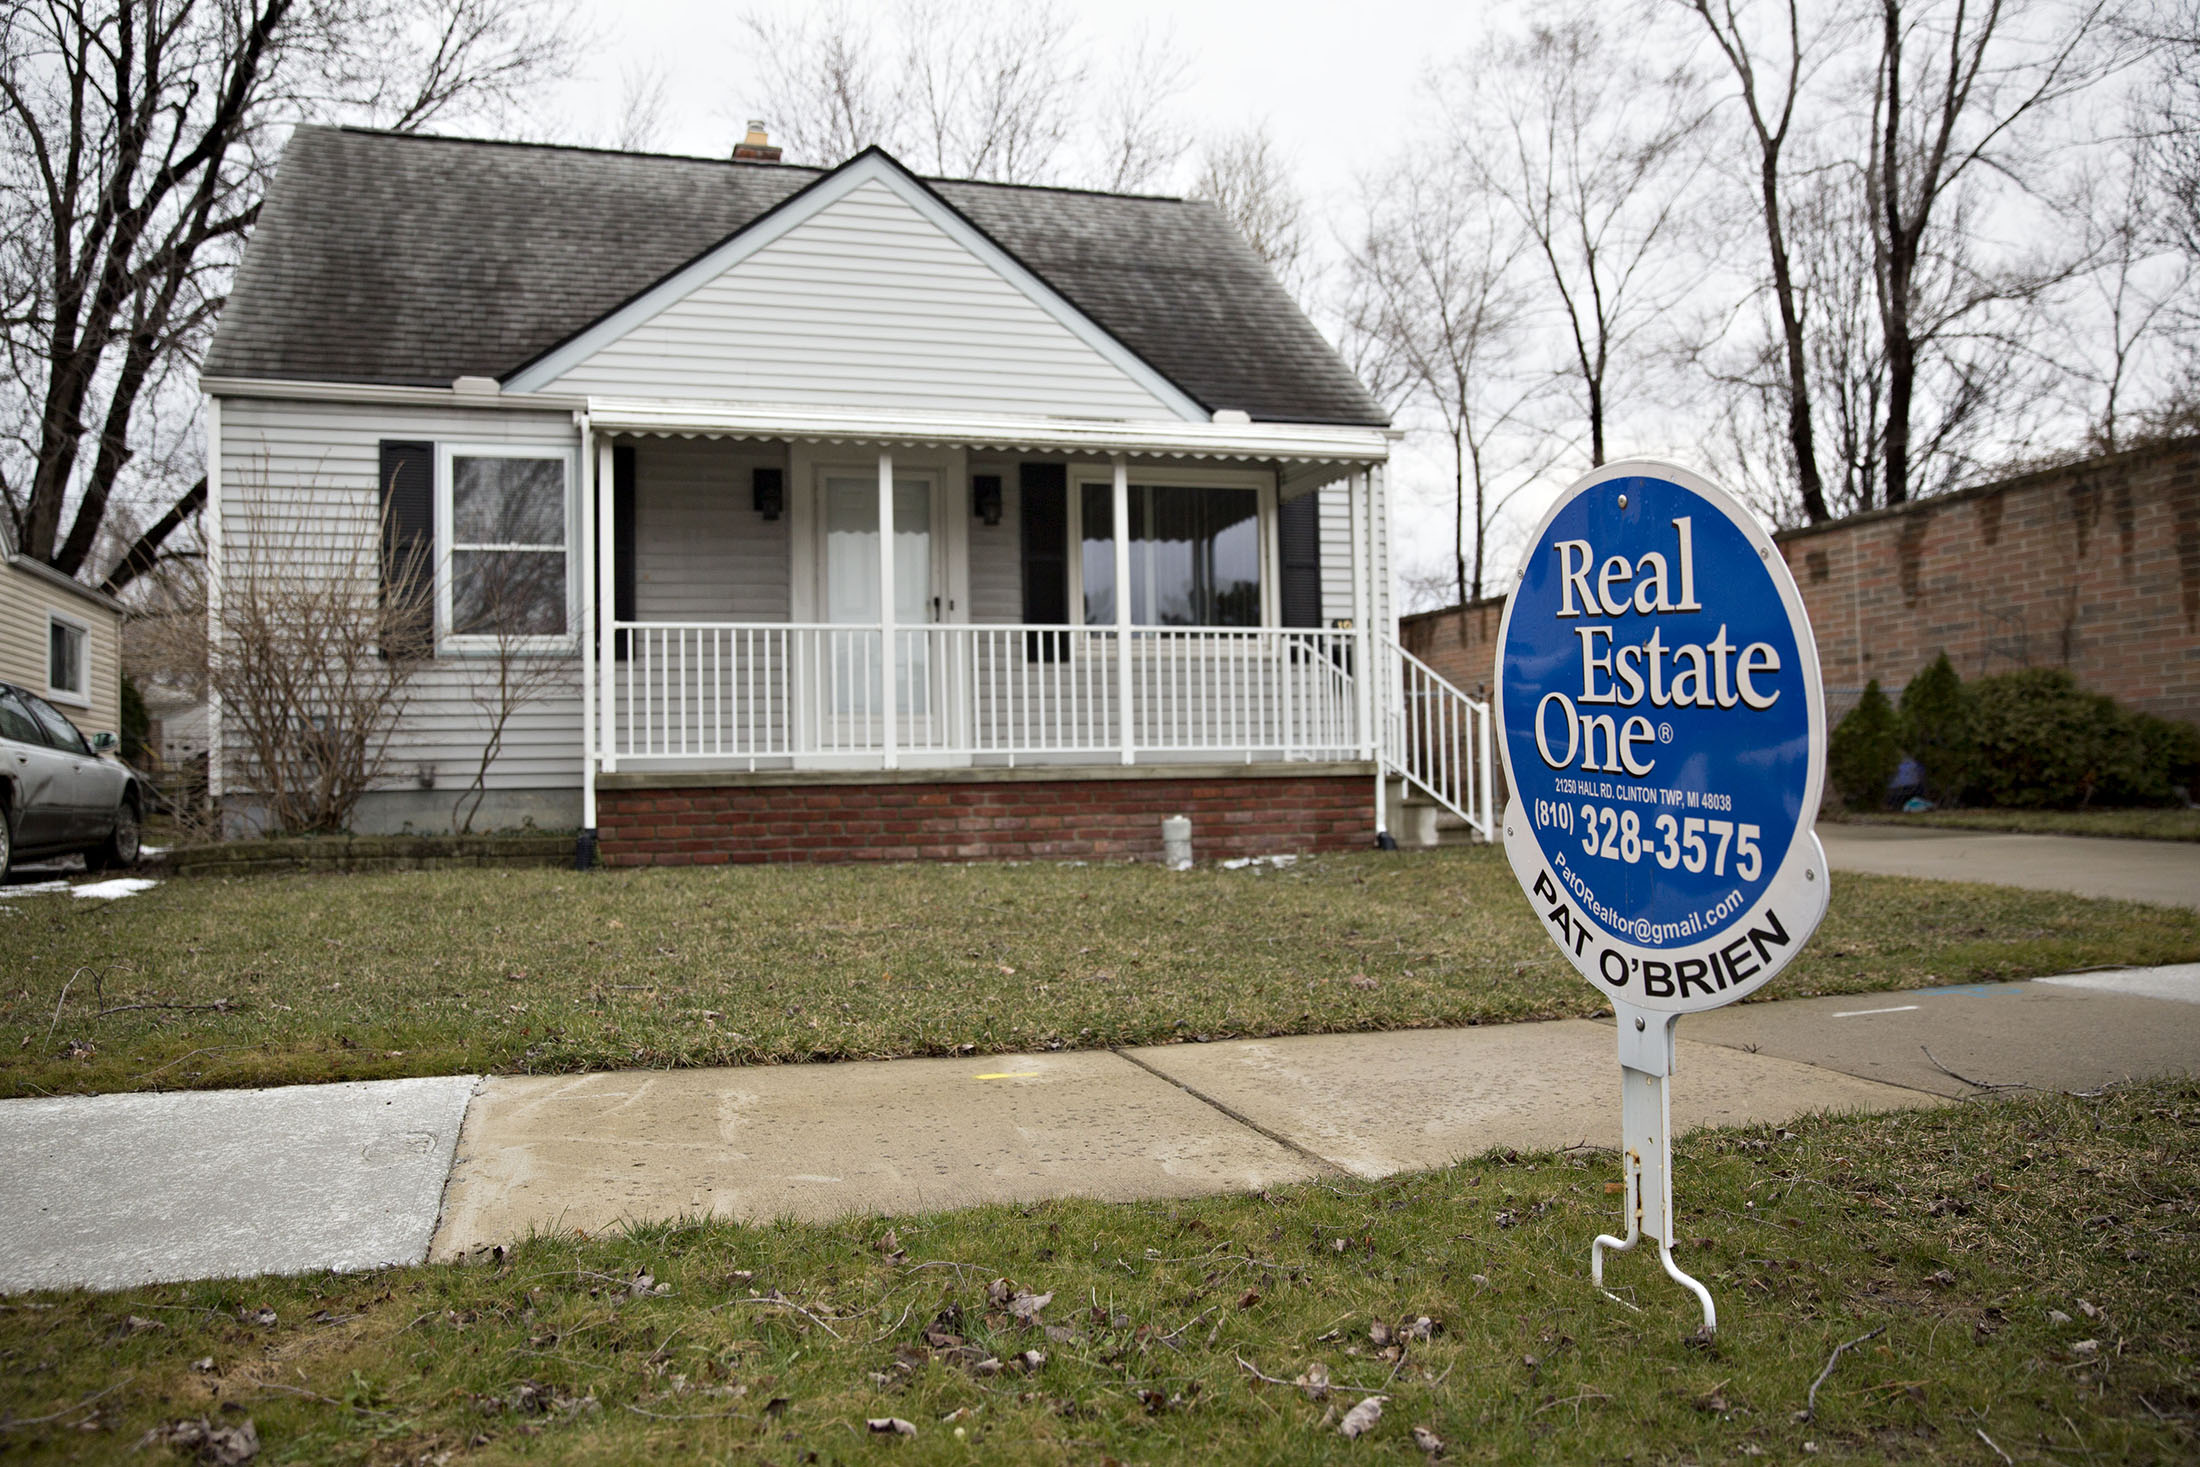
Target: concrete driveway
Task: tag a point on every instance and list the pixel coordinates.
(2165, 872)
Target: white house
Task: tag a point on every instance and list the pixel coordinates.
(1140, 539)
(60, 639)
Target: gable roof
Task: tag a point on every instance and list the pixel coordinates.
(60, 580)
(412, 260)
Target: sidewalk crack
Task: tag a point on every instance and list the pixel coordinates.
(1322, 1162)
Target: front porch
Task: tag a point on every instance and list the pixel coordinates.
(1013, 677)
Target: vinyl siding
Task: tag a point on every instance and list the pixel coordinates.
(26, 598)
(1336, 534)
(996, 552)
(299, 487)
(702, 552)
(868, 304)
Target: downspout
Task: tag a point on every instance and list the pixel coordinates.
(584, 846)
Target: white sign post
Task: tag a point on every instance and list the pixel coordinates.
(1664, 737)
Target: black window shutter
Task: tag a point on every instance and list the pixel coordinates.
(408, 546)
(1045, 517)
(1299, 543)
(622, 534)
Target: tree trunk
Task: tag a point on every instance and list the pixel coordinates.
(1801, 435)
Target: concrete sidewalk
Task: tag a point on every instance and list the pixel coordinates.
(127, 1189)
(2165, 872)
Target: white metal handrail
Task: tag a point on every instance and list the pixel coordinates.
(1438, 739)
(768, 692)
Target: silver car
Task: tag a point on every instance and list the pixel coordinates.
(60, 794)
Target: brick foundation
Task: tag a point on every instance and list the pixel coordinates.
(986, 820)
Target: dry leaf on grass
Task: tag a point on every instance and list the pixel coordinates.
(890, 1426)
(1315, 1382)
(1361, 1419)
(1428, 1441)
(221, 1446)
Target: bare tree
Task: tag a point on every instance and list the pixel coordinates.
(1437, 282)
(1956, 89)
(1770, 62)
(2114, 340)
(317, 651)
(828, 89)
(1602, 190)
(970, 89)
(136, 140)
(515, 602)
(641, 117)
(1241, 174)
(1139, 138)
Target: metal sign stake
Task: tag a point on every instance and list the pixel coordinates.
(1646, 1126)
(1663, 726)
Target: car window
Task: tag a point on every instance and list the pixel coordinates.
(16, 722)
(60, 732)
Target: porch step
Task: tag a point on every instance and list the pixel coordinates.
(1414, 806)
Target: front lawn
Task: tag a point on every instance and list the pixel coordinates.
(2007, 1281)
(269, 980)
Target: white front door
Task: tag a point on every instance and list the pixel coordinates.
(852, 596)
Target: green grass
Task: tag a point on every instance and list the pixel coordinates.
(1973, 1251)
(413, 973)
(2124, 824)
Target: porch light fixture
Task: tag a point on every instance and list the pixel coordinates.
(985, 497)
(771, 493)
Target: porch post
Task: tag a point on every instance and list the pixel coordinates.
(1124, 721)
(584, 852)
(607, 591)
(886, 602)
(1363, 620)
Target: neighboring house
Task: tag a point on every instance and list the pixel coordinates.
(680, 403)
(61, 639)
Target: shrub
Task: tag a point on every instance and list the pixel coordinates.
(2168, 753)
(2044, 742)
(137, 724)
(1865, 750)
(1936, 730)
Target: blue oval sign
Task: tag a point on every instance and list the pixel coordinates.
(1663, 731)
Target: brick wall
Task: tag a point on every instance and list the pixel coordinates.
(2094, 567)
(1462, 647)
(1080, 819)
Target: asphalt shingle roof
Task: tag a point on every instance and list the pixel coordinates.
(389, 258)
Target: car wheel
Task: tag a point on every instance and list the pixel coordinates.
(7, 841)
(120, 850)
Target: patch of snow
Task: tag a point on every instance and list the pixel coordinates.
(120, 886)
(33, 888)
(152, 850)
(1242, 862)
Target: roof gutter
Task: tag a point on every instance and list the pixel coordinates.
(388, 394)
(1161, 439)
(47, 573)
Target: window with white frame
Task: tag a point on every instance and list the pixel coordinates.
(68, 659)
(1196, 555)
(508, 574)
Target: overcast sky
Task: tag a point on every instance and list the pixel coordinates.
(1336, 85)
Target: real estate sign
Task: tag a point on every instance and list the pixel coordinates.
(1664, 736)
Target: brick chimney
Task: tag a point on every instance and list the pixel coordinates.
(756, 147)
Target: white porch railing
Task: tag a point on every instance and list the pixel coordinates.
(1438, 739)
(777, 693)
